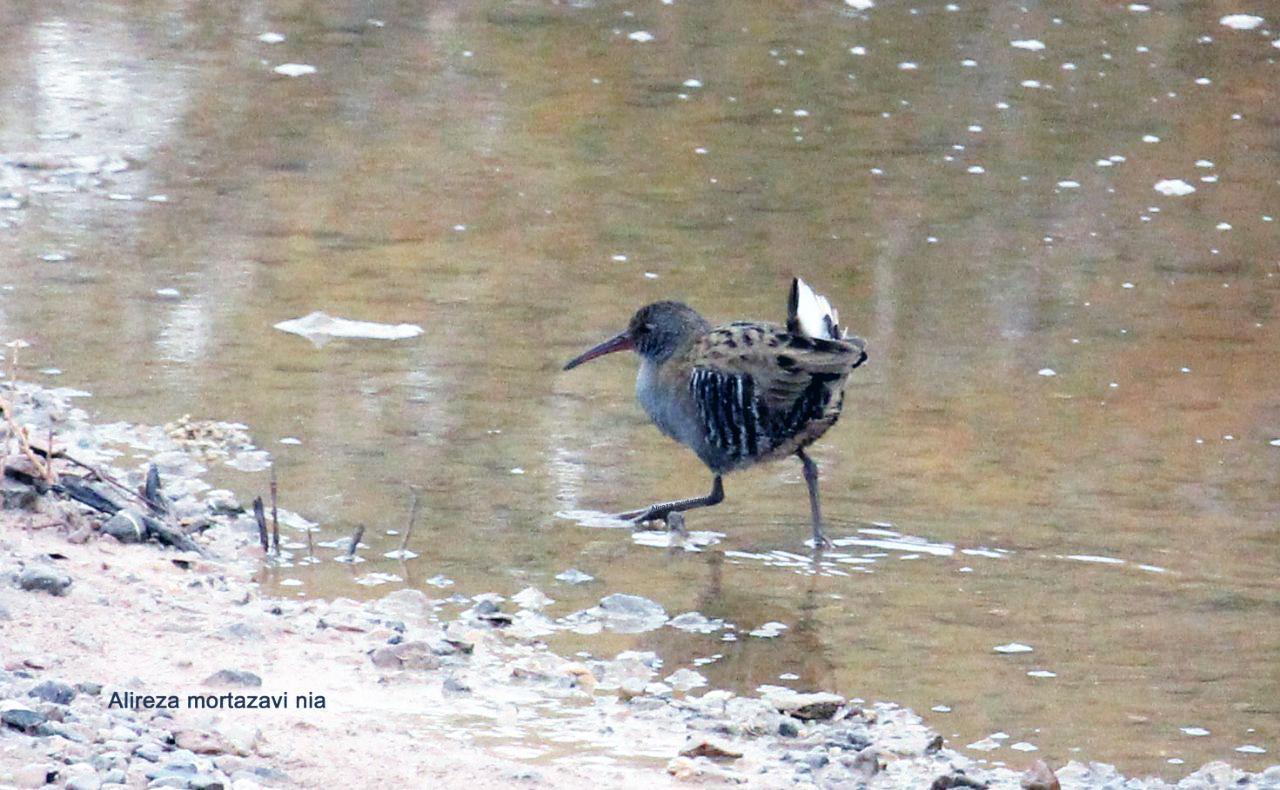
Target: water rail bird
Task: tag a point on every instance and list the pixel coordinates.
(740, 393)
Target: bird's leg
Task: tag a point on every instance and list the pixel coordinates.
(663, 509)
(811, 479)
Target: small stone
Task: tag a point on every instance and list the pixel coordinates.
(406, 655)
(44, 578)
(36, 775)
(869, 762)
(1040, 777)
(205, 782)
(125, 526)
(233, 677)
(200, 742)
(817, 706)
(89, 781)
(709, 747)
(53, 691)
(22, 719)
(957, 779)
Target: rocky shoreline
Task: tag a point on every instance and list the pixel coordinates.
(129, 666)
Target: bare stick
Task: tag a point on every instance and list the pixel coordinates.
(262, 524)
(413, 516)
(275, 519)
(311, 551)
(355, 541)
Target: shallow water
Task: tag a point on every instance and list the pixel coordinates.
(1072, 374)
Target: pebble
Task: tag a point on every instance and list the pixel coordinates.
(53, 691)
(233, 677)
(44, 578)
(126, 527)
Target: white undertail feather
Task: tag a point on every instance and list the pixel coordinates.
(816, 315)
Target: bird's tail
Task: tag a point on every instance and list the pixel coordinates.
(809, 313)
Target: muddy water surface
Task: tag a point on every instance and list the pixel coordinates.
(1070, 412)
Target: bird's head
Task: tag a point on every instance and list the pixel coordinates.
(655, 332)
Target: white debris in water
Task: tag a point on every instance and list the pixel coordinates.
(860, 5)
(1013, 647)
(1041, 673)
(1031, 83)
(857, 50)
(1103, 163)
(1047, 372)
(1094, 558)
(1203, 81)
(642, 36)
(941, 709)
(692, 83)
(1126, 284)
(291, 440)
(574, 576)
(1150, 138)
(618, 258)
(1069, 184)
(271, 38)
(700, 150)
(157, 198)
(1274, 442)
(1138, 8)
(1194, 732)
(294, 69)
(400, 554)
(968, 63)
(376, 578)
(1241, 21)
(1023, 746)
(459, 227)
(1223, 226)
(695, 623)
(1250, 748)
(1174, 187)
(439, 580)
(1032, 44)
(768, 630)
(907, 65)
(976, 169)
(291, 582)
(984, 745)
(516, 470)
(320, 326)
(1203, 163)
(975, 127)
(1068, 66)
(168, 293)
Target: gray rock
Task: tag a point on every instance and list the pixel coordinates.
(205, 782)
(89, 781)
(233, 677)
(53, 691)
(171, 780)
(44, 578)
(36, 775)
(149, 751)
(126, 527)
(22, 719)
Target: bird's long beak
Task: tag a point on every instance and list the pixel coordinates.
(619, 342)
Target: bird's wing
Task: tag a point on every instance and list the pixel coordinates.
(780, 363)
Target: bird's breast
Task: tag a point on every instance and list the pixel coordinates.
(665, 403)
